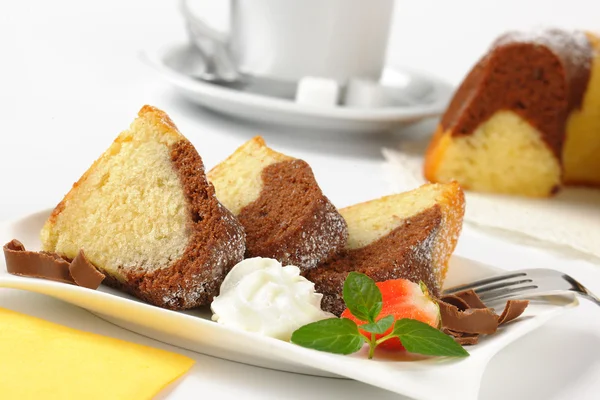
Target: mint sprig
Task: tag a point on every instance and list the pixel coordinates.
(364, 300)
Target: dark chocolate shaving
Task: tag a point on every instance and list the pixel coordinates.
(465, 317)
(50, 266)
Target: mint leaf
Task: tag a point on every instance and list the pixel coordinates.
(361, 309)
(380, 326)
(418, 337)
(362, 297)
(334, 335)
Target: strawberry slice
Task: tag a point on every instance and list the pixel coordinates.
(402, 299)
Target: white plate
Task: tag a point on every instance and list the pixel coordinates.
(424, 96)
(433, 378)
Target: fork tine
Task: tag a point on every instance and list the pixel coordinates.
(502, 284)
(483, 282)
(534, 282)
(506, 292)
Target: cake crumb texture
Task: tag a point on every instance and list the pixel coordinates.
(504, 154)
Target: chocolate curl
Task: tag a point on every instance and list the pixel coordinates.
(472, 320)
(513, 310)
(471, 298)
(461, 338)
(51, 266)
(465, 317)
(84, 273)
(467, 340)
(36, 265)
(456, 302)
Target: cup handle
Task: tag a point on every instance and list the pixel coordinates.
(213, 46)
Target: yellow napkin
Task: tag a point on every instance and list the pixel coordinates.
(43, 360)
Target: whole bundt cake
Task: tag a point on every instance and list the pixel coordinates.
(525, 119)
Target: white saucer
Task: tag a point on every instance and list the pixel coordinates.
(419, 96)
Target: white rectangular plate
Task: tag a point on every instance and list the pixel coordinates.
(429, 378)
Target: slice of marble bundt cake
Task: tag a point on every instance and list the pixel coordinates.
(278, 201)
(408, 235)
(147, 217)
(528, 104)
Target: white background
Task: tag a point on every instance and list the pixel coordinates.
(71, 79)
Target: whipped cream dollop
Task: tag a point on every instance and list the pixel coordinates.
(260, 295)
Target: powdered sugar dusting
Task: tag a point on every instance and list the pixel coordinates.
(573, 46)
(226, 253)
(423, 253)
(326, 233)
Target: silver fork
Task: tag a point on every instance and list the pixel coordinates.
(524, 284)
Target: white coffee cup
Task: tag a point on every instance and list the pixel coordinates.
(288, 40)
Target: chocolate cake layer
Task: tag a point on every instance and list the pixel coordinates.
(406, 252)
(292, 221)
(541, 77)
(215, 246)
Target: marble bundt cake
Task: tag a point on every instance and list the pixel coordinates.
(280, 205)
(525, 119)
(582, 144)
(147, 217)
(408, 235)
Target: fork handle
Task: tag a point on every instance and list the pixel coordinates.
(582, 290)
(590, 296)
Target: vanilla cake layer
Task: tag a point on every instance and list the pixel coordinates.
(238, 180)
(106, 212)
(504, 154)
